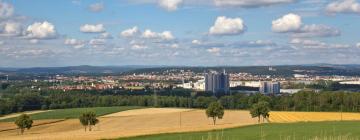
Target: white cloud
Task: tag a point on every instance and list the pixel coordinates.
(149, 34)
(250, 3)
(105, 35)
(2, 42)
(75, 43)
(170, 5)
(34, 41)
(138, 47)
(97, 42)
(196, 42)
(307, 43)
(96, 7)
(41, 30)
(287, 23)
(130, 32)
(175, 45)
(343, 6)
(165, 35)
(6, 10)
(261, 43)
(89, 28)
(214, 50)
(292, 23)
(227, 26)
(10, 28)
(358, 45)
(315, 30)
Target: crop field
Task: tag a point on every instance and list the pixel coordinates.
(346, 130)
(72, 113)
(133, 123)
(284, 117)
(187, 123)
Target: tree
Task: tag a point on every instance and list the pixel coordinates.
(4, 86)
(84, 120)
(88, 119)
(24, 122)
(260, 109)
(215, 110)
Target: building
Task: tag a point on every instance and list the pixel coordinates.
(217, 82)
(198, 85)
(269, 88)
(245, 83)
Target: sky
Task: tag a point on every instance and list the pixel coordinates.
(48, 33)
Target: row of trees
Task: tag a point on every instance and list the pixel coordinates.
(87, 119)
(302, 101)
(322, 85)
(260, 110)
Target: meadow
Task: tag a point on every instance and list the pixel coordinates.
(74, 113)
(335, 130)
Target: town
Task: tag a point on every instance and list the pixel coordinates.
(210, 80)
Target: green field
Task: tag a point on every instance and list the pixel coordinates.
(75, 112)
(348, 130)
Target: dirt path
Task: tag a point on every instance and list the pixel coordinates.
(134, 123)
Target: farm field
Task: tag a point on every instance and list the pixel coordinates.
(346, 130)
(71, 113)
(286, 117)
(134, 123)
(150, 121)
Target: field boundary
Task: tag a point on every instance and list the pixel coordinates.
(41, 124)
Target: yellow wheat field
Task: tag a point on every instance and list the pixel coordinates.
(154, 121)
(284, 117)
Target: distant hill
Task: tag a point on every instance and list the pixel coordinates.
(284, 70)
(84, 69)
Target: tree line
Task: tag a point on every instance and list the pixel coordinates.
(302, 101)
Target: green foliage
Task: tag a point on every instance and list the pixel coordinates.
(260, 109)
(215, 110)
(4, 86)
(88, 119)
(24, 122)
(285, 131)
(24, 99)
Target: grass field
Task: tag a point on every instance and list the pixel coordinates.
(346, 130)
(74, 113)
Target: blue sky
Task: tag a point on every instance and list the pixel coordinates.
(40, 33)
